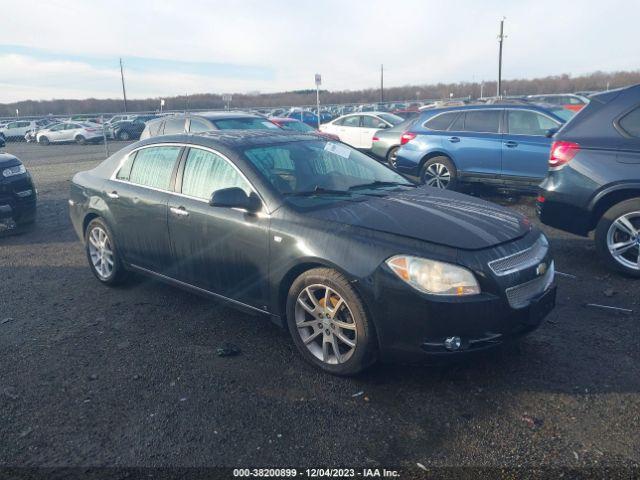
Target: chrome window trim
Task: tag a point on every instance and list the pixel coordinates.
(180, 194)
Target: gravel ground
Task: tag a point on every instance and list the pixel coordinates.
(94, 376)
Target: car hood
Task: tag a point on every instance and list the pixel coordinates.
(7, 161)
(432, 215)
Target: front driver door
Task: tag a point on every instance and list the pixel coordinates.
(222, 250)
(525, 147)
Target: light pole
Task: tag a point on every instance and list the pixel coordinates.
(501, 38)
(318, 83)
(381, 83)
(124, 91)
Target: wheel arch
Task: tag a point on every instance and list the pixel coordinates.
(610, 197)
(433, 154)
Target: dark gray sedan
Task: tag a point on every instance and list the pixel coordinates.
(386, 142)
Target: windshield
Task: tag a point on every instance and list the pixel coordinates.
(391, 118)
(248, 123)
(297, 126)
(320, 168)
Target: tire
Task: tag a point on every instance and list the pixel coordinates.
(80, 140)
(392, 156)
(613, 230)
(439, 172)
(44, 141)
(117, 274)
(322, 332)
(124, 136)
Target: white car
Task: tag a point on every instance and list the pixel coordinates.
(357, 129)
(120, 118)
(79, 132)
(19, 128)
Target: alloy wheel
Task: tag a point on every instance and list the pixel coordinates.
(437, 175)
(623, 240)
(325, 324)
(393, 157)
(101, 252)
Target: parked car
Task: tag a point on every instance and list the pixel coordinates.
(305, 116)
(594, 178)
(497, 145)
(359, 263)
(16, 130)
(119, 118)
(206, 121)
(31, 135)
(358, 129)
(2, 142)
(386, 142)
(298, 126)
(78, 132)
(129, 129)
(570, 101)
(17, 193)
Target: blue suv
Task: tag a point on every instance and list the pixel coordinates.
(500, 145)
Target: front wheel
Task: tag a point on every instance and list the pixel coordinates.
(329, 324)
(102, 253)
(618, 237)
(43, 141)
(124, 136)
(80, 140)
(439, 172)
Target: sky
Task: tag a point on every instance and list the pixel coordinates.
(71, 48)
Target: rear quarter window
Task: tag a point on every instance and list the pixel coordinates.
(441, 122)
(630, 123)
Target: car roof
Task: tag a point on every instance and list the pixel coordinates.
(284, 119)
(235, 139)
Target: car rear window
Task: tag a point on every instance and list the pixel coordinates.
(248, 123)
(630, 123)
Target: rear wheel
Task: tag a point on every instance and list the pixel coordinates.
(439, 172)
(124, 135)
(392, 157)
(329, 324)
(102, 253)
(618, 237)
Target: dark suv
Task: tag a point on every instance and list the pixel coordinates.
(594, 177)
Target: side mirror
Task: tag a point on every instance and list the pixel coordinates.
(235, 198)
(551, 132)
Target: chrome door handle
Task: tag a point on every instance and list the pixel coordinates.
(113, 194)
(454, 139)
(179, 211)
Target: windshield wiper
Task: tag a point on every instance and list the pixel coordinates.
(317, 191)
(379, 183)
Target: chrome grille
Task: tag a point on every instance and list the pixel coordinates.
(521, 260)
(521, 295)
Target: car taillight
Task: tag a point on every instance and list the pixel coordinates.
(375, 139)
(562, 153)
(407, 137)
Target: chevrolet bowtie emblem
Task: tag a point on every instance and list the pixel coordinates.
(542, 269)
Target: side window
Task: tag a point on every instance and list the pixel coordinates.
(630, 123)
(441, 122)
(205, 172)
(125, 169)
(523, 122)
(353, 121)
(12, 125)
(458, 124)
(371, 122)
(482, 121)
(339, 122)
(23, 124)
(153, 166)
(199, 125)
(174, 126)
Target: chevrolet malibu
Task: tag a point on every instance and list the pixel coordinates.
(358, 262)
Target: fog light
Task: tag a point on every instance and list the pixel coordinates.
(453, 343)
(25, 193)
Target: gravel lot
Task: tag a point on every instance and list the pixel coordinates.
(94, 376)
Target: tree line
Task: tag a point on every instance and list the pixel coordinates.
(552, 84)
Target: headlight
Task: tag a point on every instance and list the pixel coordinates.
(11, 171)
(436, 278)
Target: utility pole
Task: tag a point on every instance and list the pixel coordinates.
(501, 38)
(381, 83)
(124, 91)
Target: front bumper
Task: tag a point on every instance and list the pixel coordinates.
(18, 199)
(413, 326)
